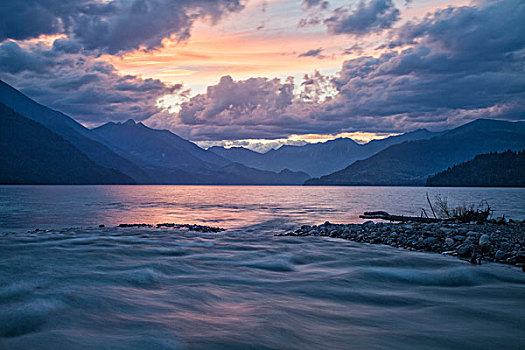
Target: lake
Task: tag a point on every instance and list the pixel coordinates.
(84, 287)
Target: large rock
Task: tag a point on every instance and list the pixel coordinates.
(484, 240)
(464, 251)
(430, 241)
(500, 255)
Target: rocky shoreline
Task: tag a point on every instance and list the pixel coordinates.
(502, 243)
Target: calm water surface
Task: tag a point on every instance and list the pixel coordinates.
(83, 287)
(30, 207)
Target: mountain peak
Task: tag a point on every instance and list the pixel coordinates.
(129, 122)
(342, 140)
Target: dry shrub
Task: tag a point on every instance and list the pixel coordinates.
(464, 212)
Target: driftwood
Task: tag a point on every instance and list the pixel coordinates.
(385, 216)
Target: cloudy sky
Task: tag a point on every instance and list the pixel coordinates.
(266, 72)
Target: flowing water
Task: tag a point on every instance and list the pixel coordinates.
(79, 286)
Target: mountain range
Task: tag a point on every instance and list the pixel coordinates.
(44, 146)
(319, 158)
(168, 158)
(124, 152)
(412, 162)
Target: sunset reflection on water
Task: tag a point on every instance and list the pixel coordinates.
(227, 206)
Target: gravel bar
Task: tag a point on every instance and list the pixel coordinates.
(502, 243)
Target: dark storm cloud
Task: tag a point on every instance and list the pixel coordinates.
(67, 76)
(113, 27)
(462, 63)
(229, 102)
(252, 108)
(66, 46)
(313, 53)
(465, 62)
(355, 49)
(25, 19)
(316, 3)
(368, 16)
(88, 90)
(14, 59)
(496, 27)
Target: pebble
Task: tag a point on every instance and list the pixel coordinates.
(473, 235)
(503, 243)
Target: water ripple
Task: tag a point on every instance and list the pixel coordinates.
(165, 289)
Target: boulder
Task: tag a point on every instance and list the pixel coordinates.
(484, 240)
(368, 224)
(464, 251)
(500, 255)
(430, 241)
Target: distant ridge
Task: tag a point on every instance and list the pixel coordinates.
(32, 154)
(319, 158)
(241, 155)
(410, 163)
(132, 152)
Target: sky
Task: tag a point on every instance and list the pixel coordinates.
(262, 73)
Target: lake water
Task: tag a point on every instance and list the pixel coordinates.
(83, 287)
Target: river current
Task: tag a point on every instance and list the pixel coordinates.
(74, 285)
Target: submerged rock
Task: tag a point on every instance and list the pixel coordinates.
(194, 227)
(135, 225)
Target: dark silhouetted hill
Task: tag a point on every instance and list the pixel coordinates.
(505, 169)
(32, 154)
(151, 147)
(76, 134)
